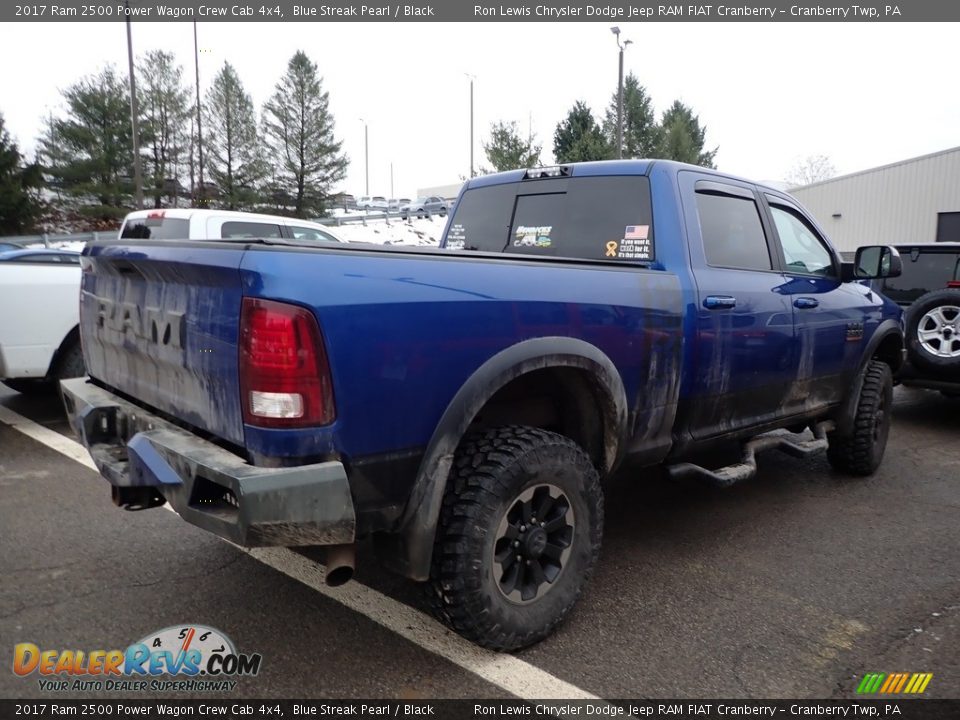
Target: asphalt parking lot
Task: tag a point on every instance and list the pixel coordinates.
(794, 584)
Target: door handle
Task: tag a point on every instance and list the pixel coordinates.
(718, 302)
(806, 302)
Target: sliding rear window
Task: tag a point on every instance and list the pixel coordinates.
(156, 228)
(596, 218)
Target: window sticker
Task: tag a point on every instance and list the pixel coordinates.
(635, 244)
(533, 236)
(456, 237)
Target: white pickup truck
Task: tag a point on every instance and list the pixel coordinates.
(39, 289)
(39, 340)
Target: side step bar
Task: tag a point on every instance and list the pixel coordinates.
(747, 467)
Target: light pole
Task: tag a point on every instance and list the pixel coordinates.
(472, 78)
(616, 31)
(196, 67)
(366, 157)
(134, 111)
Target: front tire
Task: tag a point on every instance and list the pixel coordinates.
(861, 451)
(519, 534)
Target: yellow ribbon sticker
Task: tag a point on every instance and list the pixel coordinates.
(612, 248)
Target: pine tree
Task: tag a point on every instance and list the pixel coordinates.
(307, 158)
(508, 151)
(90, 151)
(578, 137)
(682, 138)
(232, 151)
(19, 183)
(641, 134)
(165, 105)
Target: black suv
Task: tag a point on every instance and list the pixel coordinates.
(929, 292)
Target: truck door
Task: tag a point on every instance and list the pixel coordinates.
(743, 366)
(829, 316)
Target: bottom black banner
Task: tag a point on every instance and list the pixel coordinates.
(457, 709)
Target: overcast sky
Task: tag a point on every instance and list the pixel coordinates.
(864, 94)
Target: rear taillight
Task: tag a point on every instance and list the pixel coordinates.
(953, 284)
(284, 373)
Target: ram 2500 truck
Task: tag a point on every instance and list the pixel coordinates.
(462, 405)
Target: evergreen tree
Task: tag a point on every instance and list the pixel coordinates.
(641, 134)
(165, 105)
(90, 151)
(307, 158)
(19, 183)
(682, 138)
(508, 151)
(578, 137)
(231, 145)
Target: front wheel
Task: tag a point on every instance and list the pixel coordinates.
(519, 534)
(860, 451)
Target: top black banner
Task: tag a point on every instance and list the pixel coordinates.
(470, 11)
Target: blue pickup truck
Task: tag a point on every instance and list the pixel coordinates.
(461, 406)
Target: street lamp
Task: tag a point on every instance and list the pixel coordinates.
(472, 78)
(134, 111)
(366, 157)
(199, 199)
(616, 31)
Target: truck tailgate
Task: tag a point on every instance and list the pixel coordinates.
(160, 323)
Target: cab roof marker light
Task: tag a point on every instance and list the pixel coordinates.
(542, 172)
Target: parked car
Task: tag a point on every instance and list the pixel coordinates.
(194, 224)
(375, 202)
(423, 206)
(461, 405)
(394, 204)
(39, 337)
(929, 292)
(41, 255)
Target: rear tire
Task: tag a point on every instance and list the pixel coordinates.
(70, 364)
(501, 480)
(861, 451)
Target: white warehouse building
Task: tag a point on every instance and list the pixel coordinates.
(912, 201)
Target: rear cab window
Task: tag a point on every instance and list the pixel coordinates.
(247, 229)
(732, 232)
(156, 228)
(593, 218)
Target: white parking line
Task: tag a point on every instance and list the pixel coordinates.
(507, 672)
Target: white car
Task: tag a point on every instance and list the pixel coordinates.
(39, 334)
(375, 202)
(193, 224)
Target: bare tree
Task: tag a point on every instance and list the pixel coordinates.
(811, 169)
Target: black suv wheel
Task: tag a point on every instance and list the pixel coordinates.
(519, 533)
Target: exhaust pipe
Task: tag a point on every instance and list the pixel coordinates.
(341, 561)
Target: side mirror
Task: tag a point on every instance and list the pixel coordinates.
(876, 261)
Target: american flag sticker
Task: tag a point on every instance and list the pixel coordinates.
(636, 232)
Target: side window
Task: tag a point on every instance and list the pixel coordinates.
(803, 251)
(305, 233)
(732, 233)
(246, 229)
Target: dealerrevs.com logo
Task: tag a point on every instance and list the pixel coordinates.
(199, 657)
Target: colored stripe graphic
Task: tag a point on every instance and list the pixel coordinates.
(894, 683)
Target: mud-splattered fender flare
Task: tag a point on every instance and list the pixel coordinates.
(848, 409)
(419, 522)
